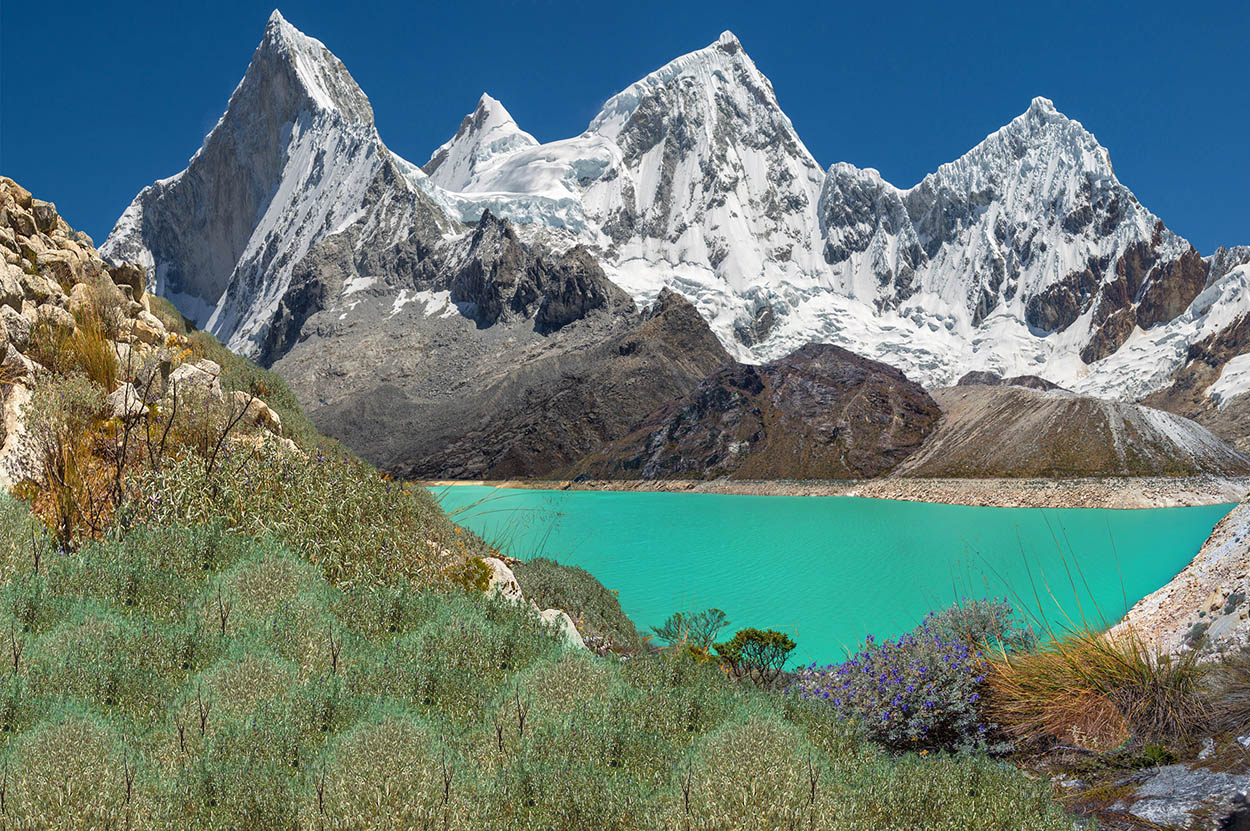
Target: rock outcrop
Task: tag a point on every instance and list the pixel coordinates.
(820, 413)
(59, 295)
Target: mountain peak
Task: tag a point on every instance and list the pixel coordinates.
(728, 42)
(487, 132)
(1042, 106)
(324, 81)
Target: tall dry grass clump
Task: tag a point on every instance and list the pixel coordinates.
(1096, 692)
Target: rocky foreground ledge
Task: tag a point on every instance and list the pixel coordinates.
(1111, 492)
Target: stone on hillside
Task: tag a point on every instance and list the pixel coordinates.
(125, 403)
(145, 328)
(17, 326)
(203, 374)
(258, 412)
(129, 274)
(20, 194)
(45, 215)
(55, 318)
(61, 267)
(11, 292)
(1174, 796)
(39, 289)
(502, 581)
(17, 367)
(19, 220)
(8, 240)
(568, 630)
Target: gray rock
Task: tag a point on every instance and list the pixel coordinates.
(1175, 796)
(11, 292)
(17, 326)
(125, 403)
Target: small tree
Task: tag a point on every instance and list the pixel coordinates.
(758, 654)
(695, 630)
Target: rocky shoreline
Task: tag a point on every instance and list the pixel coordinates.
(1120, 492)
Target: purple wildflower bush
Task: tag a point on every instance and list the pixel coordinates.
(922, 690)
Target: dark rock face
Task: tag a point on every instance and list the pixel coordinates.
(500, 277)
(819, 413)
(991, 379)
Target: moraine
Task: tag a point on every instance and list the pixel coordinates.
(830, 570)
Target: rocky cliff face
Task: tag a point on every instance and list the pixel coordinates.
(1013, 431)
(819, 413)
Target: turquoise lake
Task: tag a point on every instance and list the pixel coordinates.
(829, 570)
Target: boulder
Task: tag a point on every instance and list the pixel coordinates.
(142, 329)
(125, 403)
(39, 289)
(258, 412)
(19, 219)
(16, 326)
(1174, 796)
(129, 274)
(44, 214)
(203, 374)
(8, 240)
(20, 195)
(61, 267)
(17, 367)
(55, 318)
(564, 624)
(502, 581)
(11, 291)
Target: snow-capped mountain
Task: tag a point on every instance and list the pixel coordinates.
(486, 133)
(294, 160)
(1024, 256)
(691, 178)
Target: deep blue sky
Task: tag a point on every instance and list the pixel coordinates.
(97, 100)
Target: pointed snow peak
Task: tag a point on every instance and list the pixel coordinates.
(309, 67)
(487, 132)
(720, 67)
(1042, 106)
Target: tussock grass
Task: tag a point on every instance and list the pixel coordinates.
(1097, 692)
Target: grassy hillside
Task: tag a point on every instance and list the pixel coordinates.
(213, 618)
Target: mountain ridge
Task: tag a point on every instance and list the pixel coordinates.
(1025, 256)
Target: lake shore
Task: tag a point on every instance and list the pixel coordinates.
(1117, 492)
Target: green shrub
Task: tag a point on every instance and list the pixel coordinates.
(596, 610)
(757, 654)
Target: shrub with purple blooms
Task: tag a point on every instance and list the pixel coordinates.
(921, 691)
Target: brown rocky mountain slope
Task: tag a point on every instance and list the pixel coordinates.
(819, 413)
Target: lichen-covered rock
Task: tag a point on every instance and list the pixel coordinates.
(125, 403)
(17, 327)
(502, 581)
(202, 374)
(11, 291)
(564, 624)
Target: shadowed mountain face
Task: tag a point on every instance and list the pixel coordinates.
(427, 394)
(820, 413)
